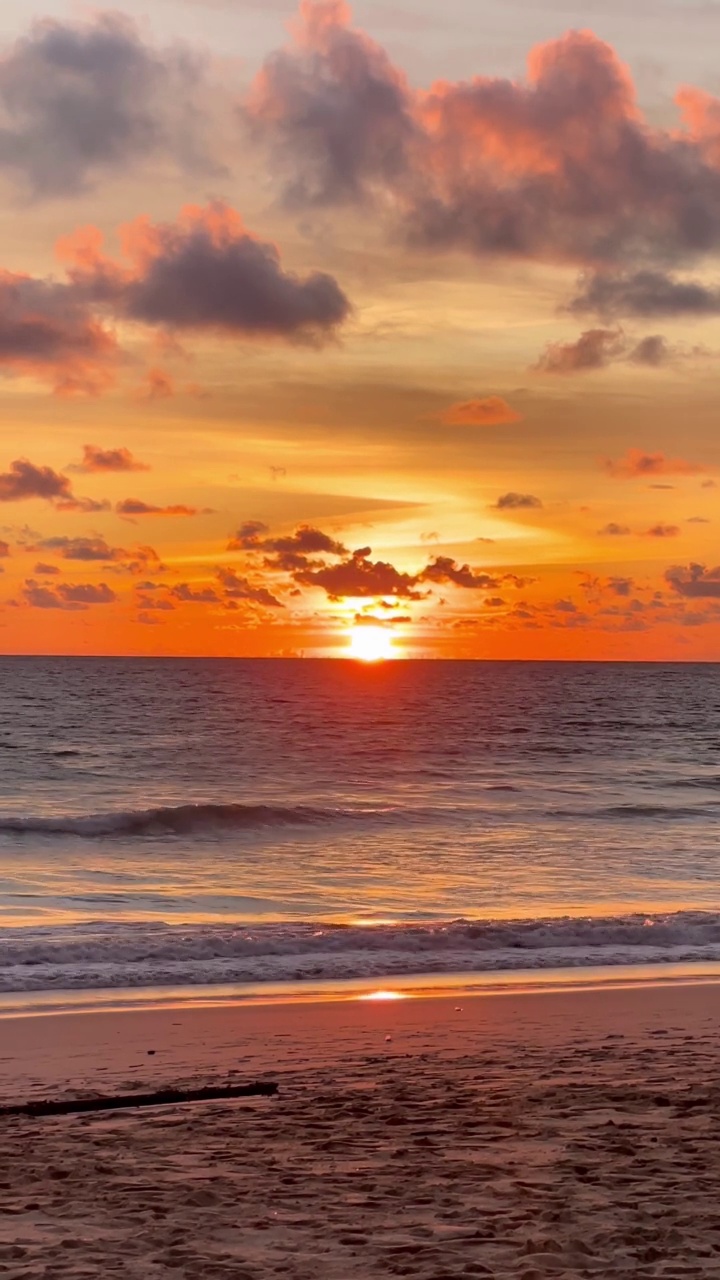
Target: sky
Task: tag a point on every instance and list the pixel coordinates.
(397, 323)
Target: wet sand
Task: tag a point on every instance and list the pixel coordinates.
(568, 1134)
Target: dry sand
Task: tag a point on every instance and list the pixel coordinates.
(558, 1135)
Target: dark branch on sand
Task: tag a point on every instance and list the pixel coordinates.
(161, 1098)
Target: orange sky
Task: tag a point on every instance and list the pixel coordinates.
(320, 321)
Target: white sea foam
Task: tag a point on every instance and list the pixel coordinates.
(75, 957)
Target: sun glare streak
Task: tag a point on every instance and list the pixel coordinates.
(383, 995)
(371, 644)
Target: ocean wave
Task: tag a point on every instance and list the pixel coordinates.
(102, 955)
(176, 820)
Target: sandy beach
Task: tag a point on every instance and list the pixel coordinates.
(564, 1134)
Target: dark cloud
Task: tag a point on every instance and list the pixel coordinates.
(134, 507)
(559, 165)
(337, 112)
(87, 549)
(698, 520)
(66, 595)
(47, 331)
(237, 588)
(207, 272)
(663, 531)
(652, 351)
(45, 570)
(77, 100)
(638, 464)
(517, 502)
(645, 294)
(594, 349)
(248, 537)
(694, 581)
(97, 550)
(613, 530)
(443, 569)
(360, 576)
(97, 459)
(620, 586)
(4, 549)
(25, 480)
(188, 594)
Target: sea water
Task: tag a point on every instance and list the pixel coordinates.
(174, 823)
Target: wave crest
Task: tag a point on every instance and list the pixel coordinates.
(171, 820)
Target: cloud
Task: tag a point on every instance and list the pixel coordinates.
(694, 581)
(206, 271)
(489, 411)
(613, 530)
(698, 520)
(97, 459)
(517, 502)
(25, 480)
(48, 332)
(79, 100)
(4, 549)
(134, 507)
(158, 385)
(663, 531)
(652, 351)
(237, 588)
(46, 570)
(558, 165)
(66, 595)
(638, 464)
(96, 550)
(188, 594)
(358, 577)
(444, 569)
(594, 349)
(338, 114)
(248, 537)
(645, 294)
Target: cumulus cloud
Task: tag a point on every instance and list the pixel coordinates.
(644, 294)
(694, 581)
(206, 271)
(358, 577)
(558, 165)
(48, 332)
(488, 411)
(653, 351)
(249, 536)
(81, 99)
(96, 459)
(517, 502)
(339, 115)
(188, 594)
(638, 464)
(614, 530)
(25, 480)
(66, 595)
(594, 349)
(46, 570)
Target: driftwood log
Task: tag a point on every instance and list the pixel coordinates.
(160, 1098)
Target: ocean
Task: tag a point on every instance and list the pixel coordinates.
(241, 825)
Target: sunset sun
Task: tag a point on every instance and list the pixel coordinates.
(371, 644)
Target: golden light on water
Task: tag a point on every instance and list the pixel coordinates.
(371, 644)
(384, 995)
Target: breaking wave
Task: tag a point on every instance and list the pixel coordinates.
(144, 954)
(178, 820)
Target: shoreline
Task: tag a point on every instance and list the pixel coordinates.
(422, 986)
